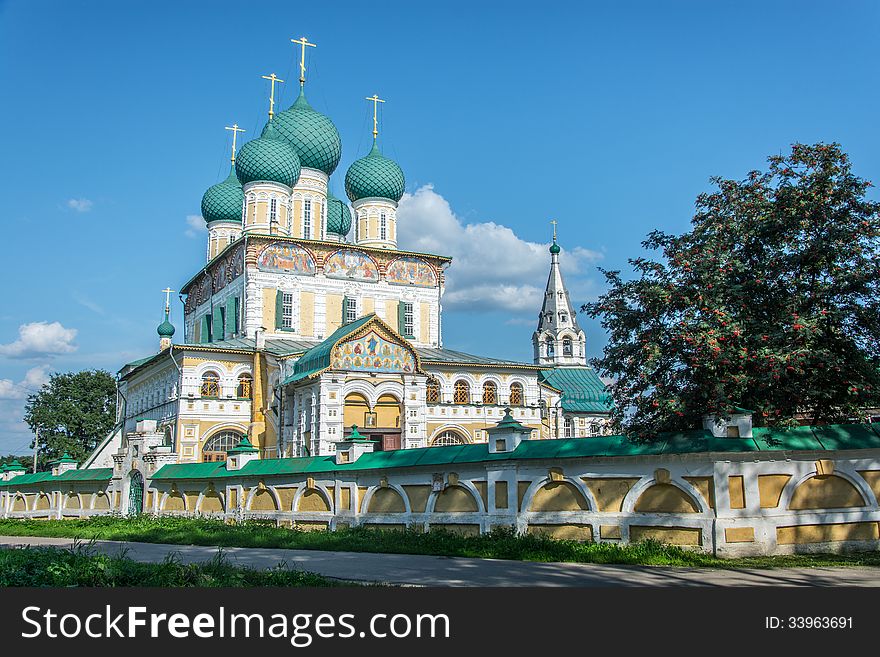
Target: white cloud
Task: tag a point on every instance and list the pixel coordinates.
(33, 380)
(80, 204)
(40, 339)
(492, 268)
(195, 225)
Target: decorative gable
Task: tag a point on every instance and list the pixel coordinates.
(374, 350)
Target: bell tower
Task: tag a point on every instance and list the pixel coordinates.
(558, 340)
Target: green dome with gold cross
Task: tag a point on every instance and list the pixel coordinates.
(374, 176)
(268, 158)
(312, 135)
(224, 201)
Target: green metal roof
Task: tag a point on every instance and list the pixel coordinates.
(435, 355)
(317, 358)
(835, 437)
(268, 158)
(95, 474)
(374, 176)
(312, 135)
(582, 389)
(224, 201)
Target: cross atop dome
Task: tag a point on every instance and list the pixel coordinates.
(304, 42)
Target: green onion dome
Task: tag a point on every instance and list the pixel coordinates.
(554, 248)
(312, 135)
(165, 329)
(224, 201)
(338, 216)
(268, 158)
(374, 176)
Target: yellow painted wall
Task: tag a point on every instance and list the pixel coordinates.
(386, 500)
(174, 502)
(500, 494)
(211, 503)
(269, 308)
(353, 410)
(610, 531)
(102, 502)
(521, 488)
(387, 412)
(455, 499)
(72, 502)
(361, 494)
(333, 313)
(19, 504)
(369, 305)
(345, 499)
(770, 489)
(483, 489)
(424, 322)
(873, 479)
(665, 498)
(263, 501)
(297, 226)
(312, 500)
(43, 503)
(706, 486)
(739, 534)
(670, 535)
(845, 531)
(312, 525)
(827, 492)
(192, 498)
(418, 497)
(285, 497)
(391, 313)
(609, 492)
(583, 533)
(737, 492)
(307, 313)
(558, 496)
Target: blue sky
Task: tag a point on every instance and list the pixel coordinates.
(609, 117)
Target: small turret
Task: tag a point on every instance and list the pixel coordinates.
(166, 328)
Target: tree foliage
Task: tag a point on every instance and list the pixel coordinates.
(74, 411)
(769, 302)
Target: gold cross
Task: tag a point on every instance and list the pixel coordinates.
(235, 130)
(167, 292)
(274, 78)
(553, 221)
(375, 100)
(302, 58)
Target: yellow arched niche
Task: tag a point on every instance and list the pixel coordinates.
(825, 492)
(455, 499)
(211, 502)
(263, 500)
(355, 409)
(665, 498)
(101, 502)
(174, 502)
(313, 501)
(43, 502)
(19, 503)
(558, 496)
(72, 501)
(386, 500)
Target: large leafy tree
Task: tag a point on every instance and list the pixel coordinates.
(74, 411)
(769, 302)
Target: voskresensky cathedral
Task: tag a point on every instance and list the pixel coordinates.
(308, 320)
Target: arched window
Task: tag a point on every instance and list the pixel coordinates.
(210, 384)
(245, 387)
(516, 394)
(462, 392)
(594, 429)
(568, 427)
(448, 438)
(432, 391)
(490, 393)
(217, 445)
(550, 347)
(566, 347)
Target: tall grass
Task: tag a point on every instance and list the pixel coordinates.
(83, 566)
(499, 544)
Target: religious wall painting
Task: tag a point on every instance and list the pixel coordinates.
(347, 263)
(286, 259)
(410, 271)
(372, 353)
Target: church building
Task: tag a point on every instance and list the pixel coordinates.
(308, 320)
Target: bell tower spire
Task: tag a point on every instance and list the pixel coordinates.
(558, 339)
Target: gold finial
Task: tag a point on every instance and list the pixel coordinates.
(553, 221)
(274, 78)
(302, 41)
(235, 130)
(375, 100)
(167, 292)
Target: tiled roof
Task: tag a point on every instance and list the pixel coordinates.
(432, 354)
(582, 389)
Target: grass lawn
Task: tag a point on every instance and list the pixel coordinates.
(501, 544)
(82, 566)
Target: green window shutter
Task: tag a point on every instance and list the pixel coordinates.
(279, 309)
(344, 318)
(238, 315)
(231, 314)
(217, 335)
(205, 336)
(401, 313)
